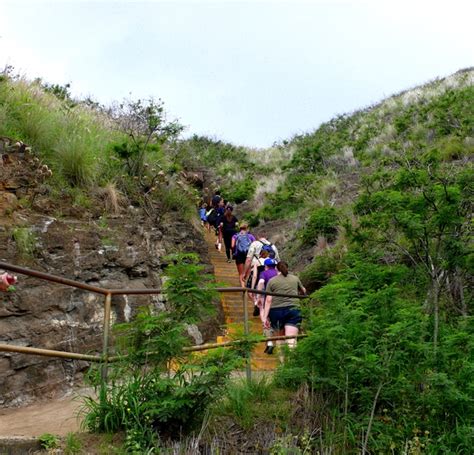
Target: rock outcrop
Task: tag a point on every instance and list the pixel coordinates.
(57, 236)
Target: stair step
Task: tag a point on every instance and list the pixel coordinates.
(232, 306)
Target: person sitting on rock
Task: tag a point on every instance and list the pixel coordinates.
(202, 213)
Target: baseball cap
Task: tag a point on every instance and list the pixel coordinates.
(269, 262)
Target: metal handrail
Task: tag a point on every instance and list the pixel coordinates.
(104, 291)
(107, 312)
(97, 358)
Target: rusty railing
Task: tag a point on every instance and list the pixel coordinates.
(108, 293)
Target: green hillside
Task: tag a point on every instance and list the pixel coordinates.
(373, 209)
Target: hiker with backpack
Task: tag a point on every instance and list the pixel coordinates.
(254, 252)
(220, 210)
(202, 213)
(259, 250)
(211, 217)
(240, 245)
(228, 228)
(258, 266)
(216, 199)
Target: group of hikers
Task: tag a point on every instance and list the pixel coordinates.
(259, 267)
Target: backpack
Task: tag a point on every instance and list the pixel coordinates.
(242, 243)
(269, 249)
(211, 217)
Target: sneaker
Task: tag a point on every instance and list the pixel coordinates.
(229, 260)
(219, 246)
(269, 349)
(256, 310)
(215, 244)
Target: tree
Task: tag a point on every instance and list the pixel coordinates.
(422, 209)
(147, 129)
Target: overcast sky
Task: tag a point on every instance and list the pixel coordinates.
(250, 72)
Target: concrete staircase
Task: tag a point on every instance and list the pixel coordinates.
(232, 304)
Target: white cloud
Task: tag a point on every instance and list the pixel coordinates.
(252, 71)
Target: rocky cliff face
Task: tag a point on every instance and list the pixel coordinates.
(121, 250)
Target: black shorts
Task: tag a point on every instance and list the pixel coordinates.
(240, 258)
(288, 315)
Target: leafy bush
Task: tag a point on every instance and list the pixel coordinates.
(369, 356)
(318, 273)
(48, 441)
(322, 222)
(73, 444)
(240, 191)
(151, 392)
(25, 241)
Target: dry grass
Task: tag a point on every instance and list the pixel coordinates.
(114, 201)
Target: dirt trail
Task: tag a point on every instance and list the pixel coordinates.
(57, 417)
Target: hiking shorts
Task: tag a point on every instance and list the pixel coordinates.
(240, 257)
(288, 315)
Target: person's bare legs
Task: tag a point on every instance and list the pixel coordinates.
(240, 270)
(289, 331)
(219, 245)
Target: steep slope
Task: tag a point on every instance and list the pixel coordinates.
(329, 166)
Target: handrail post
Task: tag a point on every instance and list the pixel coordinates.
(248, 366)
(105, 346)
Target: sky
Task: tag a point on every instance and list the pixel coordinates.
(249, 72)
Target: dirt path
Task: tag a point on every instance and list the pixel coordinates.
(57, 417)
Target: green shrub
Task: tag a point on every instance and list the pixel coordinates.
(49, 441)
(151, 393)
(240, 191)
(318, 273)
(323, 221)
(368, 348)
(25, 241)
(73, 444)
(190, 293)
(452, 148)
(253, 219)
(254, 402)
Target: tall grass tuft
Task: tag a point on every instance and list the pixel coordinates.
(25, 241)
(251, 402)
(72, 139)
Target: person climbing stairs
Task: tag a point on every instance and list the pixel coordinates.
(232, 305)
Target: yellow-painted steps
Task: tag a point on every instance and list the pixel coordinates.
(232, 305)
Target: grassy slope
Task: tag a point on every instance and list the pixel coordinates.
(89, 150)
(327, 165)
(322, 169)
